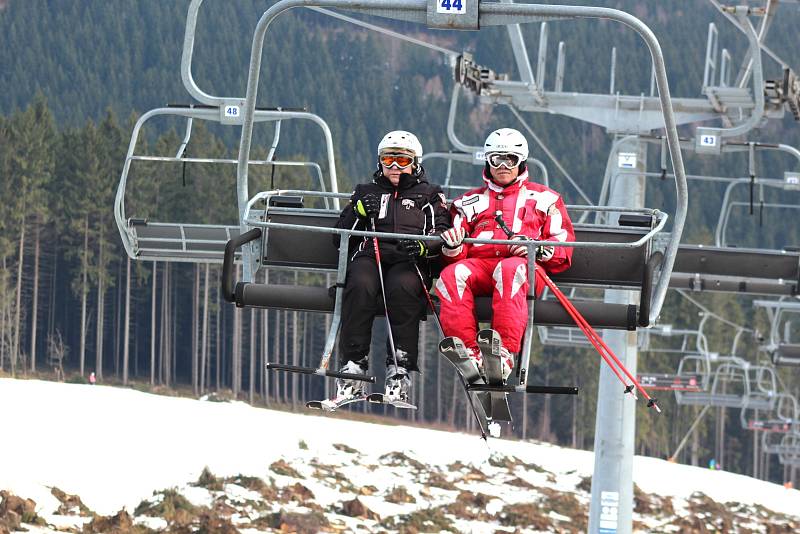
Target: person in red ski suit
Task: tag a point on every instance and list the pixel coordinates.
(532, 211)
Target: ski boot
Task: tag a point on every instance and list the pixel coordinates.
(398, 384)
(507, 362)
(348, 387)
(476, 359)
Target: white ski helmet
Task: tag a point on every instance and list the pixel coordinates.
(506, 140)
(401, 140)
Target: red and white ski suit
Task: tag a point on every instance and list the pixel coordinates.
(529, 209)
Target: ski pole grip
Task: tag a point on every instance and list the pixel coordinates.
(503, 226)
(228, 261)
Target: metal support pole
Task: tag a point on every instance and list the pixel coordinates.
(611, 509)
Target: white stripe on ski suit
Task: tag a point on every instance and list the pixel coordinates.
(519, 278)
(497, 275)
(441, 289)
(460, 275)
(462, 272)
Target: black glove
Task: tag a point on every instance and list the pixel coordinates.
(414, 249)
(368, 206)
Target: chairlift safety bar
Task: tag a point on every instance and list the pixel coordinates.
(660, 219)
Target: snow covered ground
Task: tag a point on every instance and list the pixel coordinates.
(114, 447)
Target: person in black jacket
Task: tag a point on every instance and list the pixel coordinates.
(399, 200)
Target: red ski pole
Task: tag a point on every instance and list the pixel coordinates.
(593, 338)
(587, 329)
(590, 333)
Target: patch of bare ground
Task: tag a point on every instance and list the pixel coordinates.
(368, 490)
(183, 517)
(585, 484)
(345, 448)
(437, 479)
(517, 482)
(776, 523)
(356, 508)
(297, 493)
(469, 473)
(511, 463)
(299, 523)
(566, 503)
(268, 491)
(399, 495)
(398, 459)
(470, 506)
(525, 515)
(281, 467)
(16, 510)
(208, 481)
(330, 475)
(650, 504)
(709, 512)
(427, 520)
(122, 523)
(70, 504)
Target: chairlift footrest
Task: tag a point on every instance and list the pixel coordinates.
(541, 390)
(319, 372)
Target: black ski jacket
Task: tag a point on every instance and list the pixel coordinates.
(413, 207)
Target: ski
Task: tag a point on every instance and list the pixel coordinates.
(455, 352)
(380, 398)
(331, 405)
(489, 343)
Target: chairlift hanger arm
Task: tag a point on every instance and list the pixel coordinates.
(767, 14)
(728, 15)
(757, 113)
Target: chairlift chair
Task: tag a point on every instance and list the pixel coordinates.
(789, 449)
(693, 373)
(780, 419)
(144, 239)
(783, 350)
(619, 257)
(734, 383)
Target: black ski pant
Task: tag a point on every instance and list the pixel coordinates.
(362, 301)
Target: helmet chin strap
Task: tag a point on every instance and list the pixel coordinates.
(517, 179)
(416, 170)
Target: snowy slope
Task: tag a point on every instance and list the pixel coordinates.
(114, 447)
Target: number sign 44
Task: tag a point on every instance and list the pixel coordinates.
(451, 7)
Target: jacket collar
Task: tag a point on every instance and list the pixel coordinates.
(516, 184)
(407, 180)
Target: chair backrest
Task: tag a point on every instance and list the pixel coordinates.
(590, 266)
(737, 262)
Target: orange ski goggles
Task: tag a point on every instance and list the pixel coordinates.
(401, 161)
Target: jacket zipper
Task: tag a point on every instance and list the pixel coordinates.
(394, 212)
